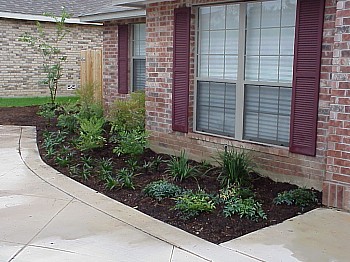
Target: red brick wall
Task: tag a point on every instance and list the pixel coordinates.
(110, 59)
(273, 160)
(336, 188)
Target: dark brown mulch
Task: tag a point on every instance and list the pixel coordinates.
(210, 226)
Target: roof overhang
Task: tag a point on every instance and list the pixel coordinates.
(138, 7)
(113, 15)
(136, 2)
(42, 18)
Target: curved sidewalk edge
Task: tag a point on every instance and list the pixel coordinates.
(30, 155)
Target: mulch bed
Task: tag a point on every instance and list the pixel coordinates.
(213, 226)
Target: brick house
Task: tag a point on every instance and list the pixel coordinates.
(20, 72)
(269, 76)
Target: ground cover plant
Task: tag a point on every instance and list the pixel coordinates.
(217, 203)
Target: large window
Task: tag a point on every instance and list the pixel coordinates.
(244, 70)
(138, 60)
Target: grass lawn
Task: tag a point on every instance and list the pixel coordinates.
(33, 101)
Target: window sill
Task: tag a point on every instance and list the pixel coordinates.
(250, 145)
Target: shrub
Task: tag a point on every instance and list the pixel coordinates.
(89, 106)
(235, 167)
(91, 133)
(132, 143)
(162, 189)
(68, 122)
(247, 207)
(238, 200)
(192, 204)
(179, 168)
(129, 114)
(299, 197)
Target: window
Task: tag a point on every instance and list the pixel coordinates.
(244, 70)
(138, 57)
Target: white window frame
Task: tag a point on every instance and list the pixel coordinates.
(133, 57)
(240, 82)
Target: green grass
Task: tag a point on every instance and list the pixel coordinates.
(33, 101)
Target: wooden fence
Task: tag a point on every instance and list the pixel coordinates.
(91, 71)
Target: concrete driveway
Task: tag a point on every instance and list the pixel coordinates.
(45, 216)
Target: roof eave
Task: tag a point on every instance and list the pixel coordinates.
(42, 18)
(114, 16)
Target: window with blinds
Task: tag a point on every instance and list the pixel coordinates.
(244, 77)
(138, 56)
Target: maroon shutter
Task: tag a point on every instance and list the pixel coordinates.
(182, 19)
(306, 76)
(123, 63)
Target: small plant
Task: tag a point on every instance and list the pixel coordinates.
(74, 170)
(247, 207)
(91, 133)
(235, 167)
(179, 168)
(235, 192)
(111, 183)
(125, 178)
(86, 172)
(299, 197)
(87, 161)
(62, 161)
(50, 152)
(239, 200)
(162, 189)
(192, 204)
(132, 143)
(132, 163)
(51, 140)
(47, 111)
(105, 168)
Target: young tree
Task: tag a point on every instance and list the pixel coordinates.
(48, 47)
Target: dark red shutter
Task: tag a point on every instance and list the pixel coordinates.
(182, 19)
(306, 76)
(123, 63)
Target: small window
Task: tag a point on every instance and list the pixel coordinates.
(138, 57)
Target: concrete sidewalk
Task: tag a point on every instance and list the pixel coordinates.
(45, 216)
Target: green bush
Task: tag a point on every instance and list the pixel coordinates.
(179, 168)
(247, 207)
(131, 143)
(68, 122)
(235, 167)
(128, 114)
(300, 197)
(89, 107)
(91, 131)
(162, 189)
(192, 204)
(239, 200)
